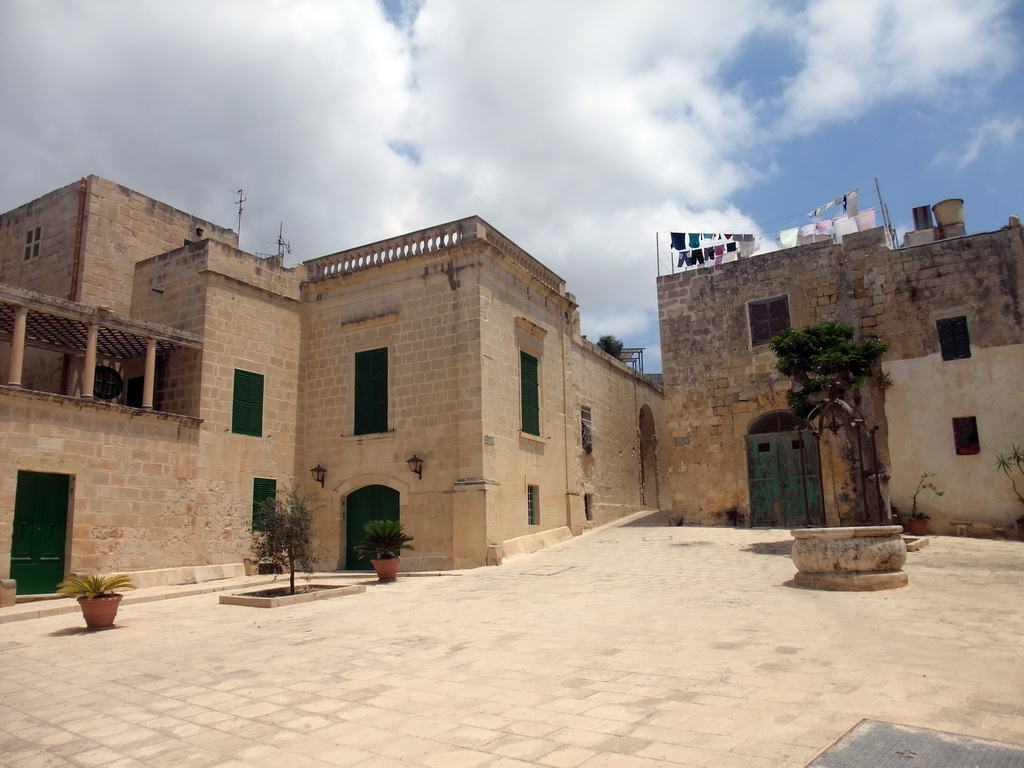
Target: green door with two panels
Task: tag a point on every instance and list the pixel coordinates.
(784, 480)
(40, 525)
(371, 502)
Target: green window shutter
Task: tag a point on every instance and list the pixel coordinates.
(371, 392)
(767, 318)
(247, 404)
(262, 490)
(529, 393)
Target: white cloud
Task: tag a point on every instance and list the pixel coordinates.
(996, 131)
(860, 54)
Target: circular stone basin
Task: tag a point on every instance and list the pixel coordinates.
(853, 559)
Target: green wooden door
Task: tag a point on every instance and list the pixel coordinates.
(371, 502)
(40, 525)
(784, 480)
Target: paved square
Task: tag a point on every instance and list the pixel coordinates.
(633, 645)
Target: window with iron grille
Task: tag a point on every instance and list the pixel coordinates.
(954, 340)
(533, 504)
(32, 239)
(965, 436)
(767, 317)
(586, 429)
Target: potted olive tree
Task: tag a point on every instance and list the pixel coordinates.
(385, 540)
(97, 595)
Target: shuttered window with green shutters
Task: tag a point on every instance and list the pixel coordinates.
(371, 392)
(954, 340)
(263, 490)
(247, 404)
(529, 393)
(767, 318)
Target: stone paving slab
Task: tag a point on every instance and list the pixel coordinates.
(633, 645)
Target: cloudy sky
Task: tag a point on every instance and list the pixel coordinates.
(578, 128)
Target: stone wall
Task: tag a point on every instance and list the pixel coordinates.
(123, 228)
(136, 502)
(625, 470)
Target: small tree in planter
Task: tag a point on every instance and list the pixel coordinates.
(282, 533)
(917, 521)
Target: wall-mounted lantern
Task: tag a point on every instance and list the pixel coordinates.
(319, 473)
(416, 465)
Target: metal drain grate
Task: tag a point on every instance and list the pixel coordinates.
(886, 745)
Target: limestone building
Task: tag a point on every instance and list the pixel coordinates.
(949, 401)
(158, 383)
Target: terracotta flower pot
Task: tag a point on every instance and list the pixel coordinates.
(917, 527)
(99, 612)
(387, 570)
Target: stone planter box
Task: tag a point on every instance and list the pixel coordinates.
(853, 559)
(325, 592)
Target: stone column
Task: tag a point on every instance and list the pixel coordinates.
(89, 367)
(150, 378)
(17, 347)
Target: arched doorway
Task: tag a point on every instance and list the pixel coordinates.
(371, 502)
(783, 470)
(648, 458)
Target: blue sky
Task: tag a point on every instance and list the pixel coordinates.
(578, 128)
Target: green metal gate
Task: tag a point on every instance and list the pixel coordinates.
(40, 526)
(371, 502)
(784, 479)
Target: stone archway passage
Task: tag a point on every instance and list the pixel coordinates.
(648, 458)
(784, 475)
(371, 502)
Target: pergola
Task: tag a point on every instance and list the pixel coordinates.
(30, 319)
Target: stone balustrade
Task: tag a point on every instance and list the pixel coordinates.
(454, 234)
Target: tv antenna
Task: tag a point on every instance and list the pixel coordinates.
(241, 199)
(282, 246)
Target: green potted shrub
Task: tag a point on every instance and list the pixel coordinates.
(384, 542)
(97, 595)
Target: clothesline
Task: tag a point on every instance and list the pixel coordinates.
(699, 249)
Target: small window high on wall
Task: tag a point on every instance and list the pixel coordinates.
(965, 436)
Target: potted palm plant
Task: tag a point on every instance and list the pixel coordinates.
(97, 595)
(384, 542)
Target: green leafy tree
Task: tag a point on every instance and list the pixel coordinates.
(285, 533)
(823, 355)
(610, 344)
